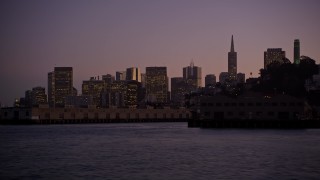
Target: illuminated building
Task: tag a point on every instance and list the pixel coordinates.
(157, 84)
(296, 52)
(273, 55)
(116, 95)
(38, 96)
(51, 87)
(132, 94)
(122, 94)
(79, 101)
(178, 90)
(60, 85)
(232, 62)
(120, 75)
(133, 73)
(93, 88)
(108, 78)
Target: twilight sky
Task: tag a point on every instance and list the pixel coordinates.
(99, 37)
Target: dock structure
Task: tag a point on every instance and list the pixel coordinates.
(91, 115)
(251, 110)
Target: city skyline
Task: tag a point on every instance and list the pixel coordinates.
(104, 37)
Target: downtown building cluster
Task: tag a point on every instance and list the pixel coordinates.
(132, 89)
(129, 88)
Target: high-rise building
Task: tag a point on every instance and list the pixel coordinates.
(79, 101)
(296, 51)
(122, 94)
(39, 96)
(157, 84)
(132, 94)
(108, 78)
(51, 87)
(192, 75)
(133, 73)
(178, 90)
(232, 62)
(117, 94)
(143, 80)
(274, 55)
(223, 77)
(60, 85)
(210, 80)
(27, 98)
(93, 88)
(121, 75)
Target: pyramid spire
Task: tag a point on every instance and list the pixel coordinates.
(232, 45)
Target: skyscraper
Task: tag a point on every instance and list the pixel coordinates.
(210, 80)
(60, 85)
(133, 73)
(120, 75)
(296, 51)
(132, 94)
(178, 90)
(232, 62)
(143, 80)
(157, 84)
(108, 78)
(117, 94)
(39, 96)
(274, 55)
(93, 88)
(51, 94)
(192, 75)
(223, 77)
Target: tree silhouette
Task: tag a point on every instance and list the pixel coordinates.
(287, 77)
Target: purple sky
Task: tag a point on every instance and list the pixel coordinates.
(100, 37)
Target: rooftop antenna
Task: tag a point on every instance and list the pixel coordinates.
(191, 63)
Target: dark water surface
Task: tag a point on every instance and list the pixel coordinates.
(156, 151)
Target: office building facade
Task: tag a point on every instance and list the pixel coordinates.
(273, 55)
(60, 85)
(223, 77)
(39, 96)
(134, 74)
(156, 84)
(121, 75)
(178, 91)
(210, 80)
(192, 75)
(93, 88)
